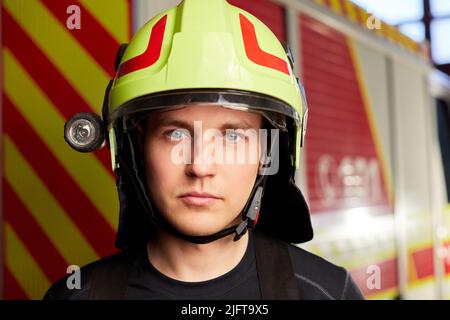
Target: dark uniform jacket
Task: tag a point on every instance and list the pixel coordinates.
(261, 274)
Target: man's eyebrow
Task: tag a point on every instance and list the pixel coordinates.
(174, 123)
(240, 124)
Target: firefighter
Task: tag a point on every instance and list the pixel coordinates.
(198, 83)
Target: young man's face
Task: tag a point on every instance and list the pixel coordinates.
(200, 181)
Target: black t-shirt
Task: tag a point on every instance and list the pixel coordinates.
(146, 282)
(317, 279)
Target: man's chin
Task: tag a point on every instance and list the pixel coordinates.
(201, 223)
(202, 230)
(199, 232)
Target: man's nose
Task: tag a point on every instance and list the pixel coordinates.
(202, 162)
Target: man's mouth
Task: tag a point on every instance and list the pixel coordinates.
(195, 198)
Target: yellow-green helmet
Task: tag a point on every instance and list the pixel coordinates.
(207, 45)
(207, 51)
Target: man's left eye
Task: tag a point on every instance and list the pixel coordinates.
(178, 134)
(233, 136)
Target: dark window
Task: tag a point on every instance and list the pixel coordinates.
(443, 116)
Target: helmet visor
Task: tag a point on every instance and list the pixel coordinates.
(275, 111)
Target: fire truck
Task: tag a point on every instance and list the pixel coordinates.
(375, 168)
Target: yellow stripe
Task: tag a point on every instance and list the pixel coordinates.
(420, 246)
(71, 59)
(402, 40)
(351, 11)
(44, 208)
(411, 269)
(321, 2)
(336, 6)
(91, 177)
(384, 30)
(420, 283)
(384, 295)
(407, 43)
(392, 33)
(112, 15)
(412, 45)
(23, 267)
(368, 107)
(397, 36)
(380, 31)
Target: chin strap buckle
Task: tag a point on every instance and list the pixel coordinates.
(251, 216)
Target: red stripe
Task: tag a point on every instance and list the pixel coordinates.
(344, 8)
(389, 279)
(100, 44)
(130, 19)
(11, 288)
(423, 261)
(82, 212)
(447, 258)
(361, 17)
(34, 238)
(257, 217)
(327, 3)
(254, 51)
(47, 77)
(151, 54)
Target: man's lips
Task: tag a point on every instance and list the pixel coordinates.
(199, 198)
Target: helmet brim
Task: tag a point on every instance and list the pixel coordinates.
(274, 110)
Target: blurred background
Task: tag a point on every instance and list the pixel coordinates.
(375, 167)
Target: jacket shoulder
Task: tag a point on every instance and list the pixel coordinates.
(60, 290)
(321, 279)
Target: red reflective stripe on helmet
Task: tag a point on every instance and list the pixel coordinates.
(253, 50)
(151, 54)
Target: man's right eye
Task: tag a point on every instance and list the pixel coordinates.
(178, 134)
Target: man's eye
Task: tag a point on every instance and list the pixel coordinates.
(178, 134)
(233, 136)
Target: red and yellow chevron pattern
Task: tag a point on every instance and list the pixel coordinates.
(60, 207)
